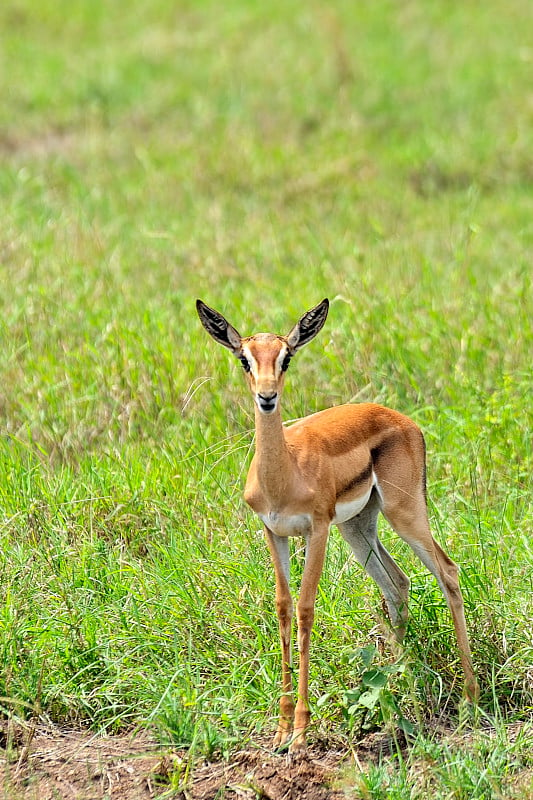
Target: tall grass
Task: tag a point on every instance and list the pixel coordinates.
(260, 157)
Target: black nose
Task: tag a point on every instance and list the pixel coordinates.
(267, 402)
(267, 398)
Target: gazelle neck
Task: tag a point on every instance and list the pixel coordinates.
(271, 453)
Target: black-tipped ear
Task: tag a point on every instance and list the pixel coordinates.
(308, 326)
(218, 327)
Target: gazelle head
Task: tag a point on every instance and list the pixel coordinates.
(265, 357)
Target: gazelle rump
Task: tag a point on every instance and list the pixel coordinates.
(340, 466)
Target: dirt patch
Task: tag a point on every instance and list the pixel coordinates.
(48, 763)
(41, 145)
(257, 774)
(77, 765)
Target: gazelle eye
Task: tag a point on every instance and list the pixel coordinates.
(286, 362)
(244, 362)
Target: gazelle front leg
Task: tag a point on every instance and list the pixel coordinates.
(315, 553)
(279, 550)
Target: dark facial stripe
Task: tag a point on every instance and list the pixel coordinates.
(360, 478)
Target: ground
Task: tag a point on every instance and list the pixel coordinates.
(42, 762)
(77, 765)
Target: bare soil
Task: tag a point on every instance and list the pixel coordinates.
(42, 762)
(47, 763)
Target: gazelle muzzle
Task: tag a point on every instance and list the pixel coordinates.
(266, 402)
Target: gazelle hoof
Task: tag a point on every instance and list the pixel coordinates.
(298, 745)
(281, 739)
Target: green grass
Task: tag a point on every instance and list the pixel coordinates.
(260, 157)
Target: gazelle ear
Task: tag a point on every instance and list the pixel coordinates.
(218, 327)
(308, 326)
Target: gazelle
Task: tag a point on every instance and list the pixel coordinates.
(341, 466)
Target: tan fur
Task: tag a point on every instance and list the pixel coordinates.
(364, 457)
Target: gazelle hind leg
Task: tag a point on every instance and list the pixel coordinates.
(361, 533)
(414, 529)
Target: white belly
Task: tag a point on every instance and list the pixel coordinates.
(345, 511)
(288, 524)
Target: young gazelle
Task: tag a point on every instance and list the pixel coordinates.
(341, 466)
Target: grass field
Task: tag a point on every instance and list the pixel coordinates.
(262, 156)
